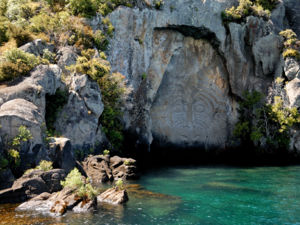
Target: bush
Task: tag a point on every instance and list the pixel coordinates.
(107, 6)
(82, 187)
(86, 8)
(106, 152)
(265, 126)
(158, 4)
(16, 63)
(19, 34)
(293, 53)
(261, 8)
(3, 30)
(43, 165)
(119, 184)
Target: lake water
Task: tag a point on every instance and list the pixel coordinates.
(195, 195)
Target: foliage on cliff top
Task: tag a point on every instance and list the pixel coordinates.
(261, 8)
(265, 126)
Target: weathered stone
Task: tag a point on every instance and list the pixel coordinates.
(38, 204)
(97, 168)
(293, 92)
(32, 184)
(66, 56)
(37, 47)
(19, 112)
(84, 206)
(291, 68)
(61, 154)
(79, 118)
(123, 168)
(113, 196)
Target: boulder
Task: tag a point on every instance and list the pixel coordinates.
(61, 154)
(37, 47)
(19, 112)
(32, 184)
(58, 203)
(101, 168)
(291, 68)
(113, 196)
(123, 168)
(97, 168)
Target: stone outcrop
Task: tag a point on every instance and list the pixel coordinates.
(61, 154)
(32, 184)
(79, 118)
(37, 47)
(16, 113)
(101, 168)
(113, 196)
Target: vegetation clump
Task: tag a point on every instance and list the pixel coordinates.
(265, 126)
(16, 63)
(44, 165)
(261, 8)
(10, 157)
(291, 44)
(82, 187)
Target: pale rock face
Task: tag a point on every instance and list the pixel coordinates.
(37, 47)
(18, 112)
(187, 98)
(293, 92)
(192, 105)
(291, 68)
(78, 120)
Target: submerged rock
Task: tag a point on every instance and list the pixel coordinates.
(113, 196)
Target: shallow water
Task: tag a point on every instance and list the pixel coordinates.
(195, 195)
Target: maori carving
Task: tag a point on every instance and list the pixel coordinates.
(192, 104)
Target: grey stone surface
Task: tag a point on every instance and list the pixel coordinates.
(292, 68)
(78, 120)
(37, 47)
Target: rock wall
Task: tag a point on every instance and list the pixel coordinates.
(188, 71)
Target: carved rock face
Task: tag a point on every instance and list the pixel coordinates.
(192, 105)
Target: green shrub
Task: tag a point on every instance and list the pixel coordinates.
(264, 125)
(3, 30)
(16, 63)
(261, 8)
(119, 184)
(85, 8)
(82, 187)
(127, 162)
(158, 4)
(45, 165)
(107, 6)
(19, 34)
(49, 56)
(293, 53)
(24, 135)
(106, 152)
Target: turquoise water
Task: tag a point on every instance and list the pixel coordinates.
(206, 195)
